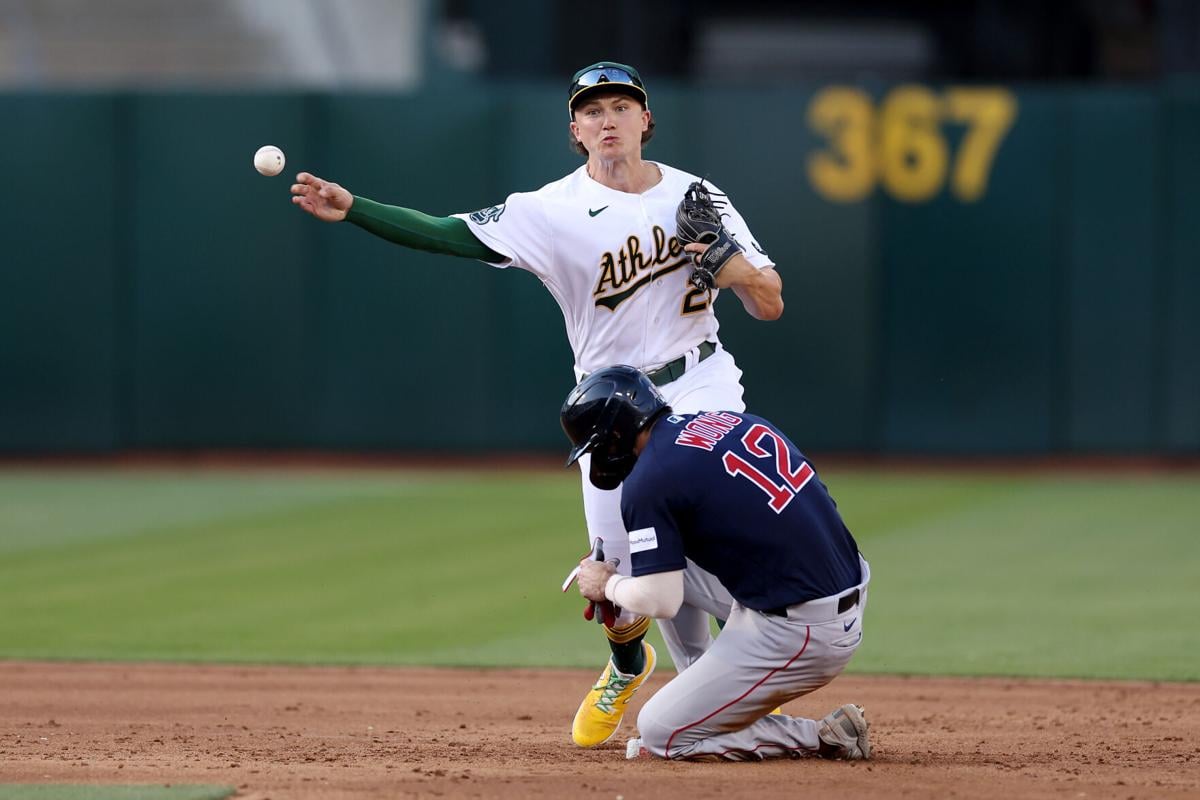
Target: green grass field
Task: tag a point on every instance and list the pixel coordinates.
(974, 573)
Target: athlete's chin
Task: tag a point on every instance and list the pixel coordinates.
(615, 150)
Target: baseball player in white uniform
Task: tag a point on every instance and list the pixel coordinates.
(603, 242)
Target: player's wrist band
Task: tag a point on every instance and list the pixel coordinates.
(610, 586)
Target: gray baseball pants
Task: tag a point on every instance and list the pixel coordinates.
(719, 706)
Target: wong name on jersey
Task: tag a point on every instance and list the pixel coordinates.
(707, 429)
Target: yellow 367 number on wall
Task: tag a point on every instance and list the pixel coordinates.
(901, 144)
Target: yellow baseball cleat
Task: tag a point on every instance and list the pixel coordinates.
(600, 713)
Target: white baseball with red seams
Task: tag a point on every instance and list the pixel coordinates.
(613, 263)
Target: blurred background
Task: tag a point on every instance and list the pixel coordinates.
(984, 213)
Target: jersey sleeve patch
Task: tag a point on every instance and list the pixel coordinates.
(485, 215)
(517, 229)
(642, 540)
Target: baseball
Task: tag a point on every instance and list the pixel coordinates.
(269, 160)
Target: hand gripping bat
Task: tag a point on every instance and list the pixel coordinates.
(603, 612)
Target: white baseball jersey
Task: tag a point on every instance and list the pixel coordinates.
(613, 263)
(617, 271)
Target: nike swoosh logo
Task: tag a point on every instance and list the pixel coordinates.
(846, 626)
(594, 213)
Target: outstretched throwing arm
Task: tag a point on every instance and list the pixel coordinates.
(325, 200)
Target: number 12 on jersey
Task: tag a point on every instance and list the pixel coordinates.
(793, 479)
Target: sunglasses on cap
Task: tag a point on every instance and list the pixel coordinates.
(602, 76)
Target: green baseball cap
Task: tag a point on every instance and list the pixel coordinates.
(608, 76)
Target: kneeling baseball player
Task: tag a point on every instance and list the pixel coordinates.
(730, 493)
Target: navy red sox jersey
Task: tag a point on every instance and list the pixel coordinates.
(733, 494)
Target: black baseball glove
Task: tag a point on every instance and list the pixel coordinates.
(697, 220)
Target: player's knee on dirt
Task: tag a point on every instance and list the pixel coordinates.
(659, 727)
(654, 734)
(663, 739)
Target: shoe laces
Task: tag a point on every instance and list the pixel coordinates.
(611, 689)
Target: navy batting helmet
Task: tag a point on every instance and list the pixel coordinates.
(603, 416)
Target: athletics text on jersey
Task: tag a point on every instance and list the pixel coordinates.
(733, 494)
(613, 264)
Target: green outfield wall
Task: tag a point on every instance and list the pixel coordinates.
(966, 269)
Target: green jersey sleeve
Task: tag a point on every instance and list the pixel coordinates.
(445, 235)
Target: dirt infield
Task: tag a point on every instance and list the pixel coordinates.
(296, 732)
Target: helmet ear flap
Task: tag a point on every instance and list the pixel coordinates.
(612, 461)
(609, 472)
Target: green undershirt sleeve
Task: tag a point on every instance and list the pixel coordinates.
(446, 235)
